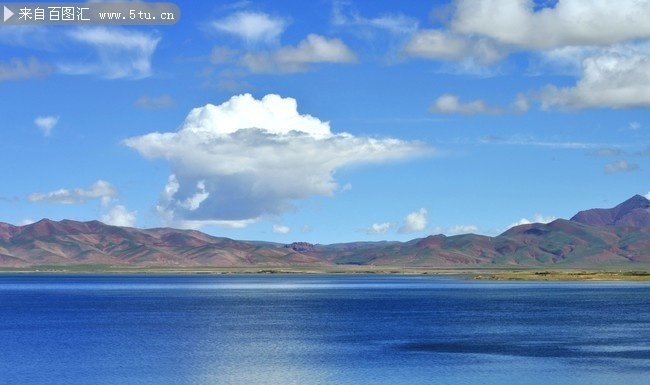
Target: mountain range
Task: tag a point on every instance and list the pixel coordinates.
(614, 237)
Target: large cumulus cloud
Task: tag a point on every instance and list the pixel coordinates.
(238, 161)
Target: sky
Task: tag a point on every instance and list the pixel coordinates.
(329, 121)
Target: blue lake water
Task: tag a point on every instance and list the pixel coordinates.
(320, 330)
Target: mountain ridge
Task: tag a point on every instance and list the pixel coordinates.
(595, 237)
(633, 212)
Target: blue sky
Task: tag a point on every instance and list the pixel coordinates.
(330, 121)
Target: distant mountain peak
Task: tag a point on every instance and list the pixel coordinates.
(634, 212)
(637, 201)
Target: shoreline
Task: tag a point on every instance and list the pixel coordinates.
(480, 274)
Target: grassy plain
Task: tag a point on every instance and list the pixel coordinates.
(492, 274)
(565, 275)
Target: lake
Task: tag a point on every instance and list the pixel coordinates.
(320, 329)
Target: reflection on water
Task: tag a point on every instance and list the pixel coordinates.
(320, 330)
(227, 282)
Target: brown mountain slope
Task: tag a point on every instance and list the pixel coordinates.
(619, 236)
(633, 212)
(71, 242)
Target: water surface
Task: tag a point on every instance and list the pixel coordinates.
(320, 330)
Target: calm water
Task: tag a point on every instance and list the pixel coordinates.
(320, 330)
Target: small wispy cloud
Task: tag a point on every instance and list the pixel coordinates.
(462, 229)
(120, 53)
(18, 69)
(538, 218)
(46, 124)
(397, 24)
(101, 189)
(455, 230)
(290, 59)
(531, 141)
(223, 54)
(26, 221)
(451, 104)
(120, 216)
(281, 229)
(252, 27)
(379, 228)
(163, 101)
(606, 152)
(620, 166)
(414, 222)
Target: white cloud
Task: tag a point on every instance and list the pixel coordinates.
(46, 123)
(223, 54)
(281, 229)
(565, 61)
(379, 228)
(17, 69)
(163, 101)
(121, 53)
(538, 218)
(437, 44)
(617, 77)
(253, 27)
(253, 158)
(26, 221)
(316, 49)
(395, 23)
(532, 141)
(313, 49)
(101, 189)
(647, 196)
(109, 52)
(606, 152)
(521, 103)
(120, 216)
(346, 187)
(620, 166)
(415, 221)
(193, 202)
(33, 37)
(601, 42)
(451, 104)
(568, 23)
(462, 229)
(446, 45)
(229, 79)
